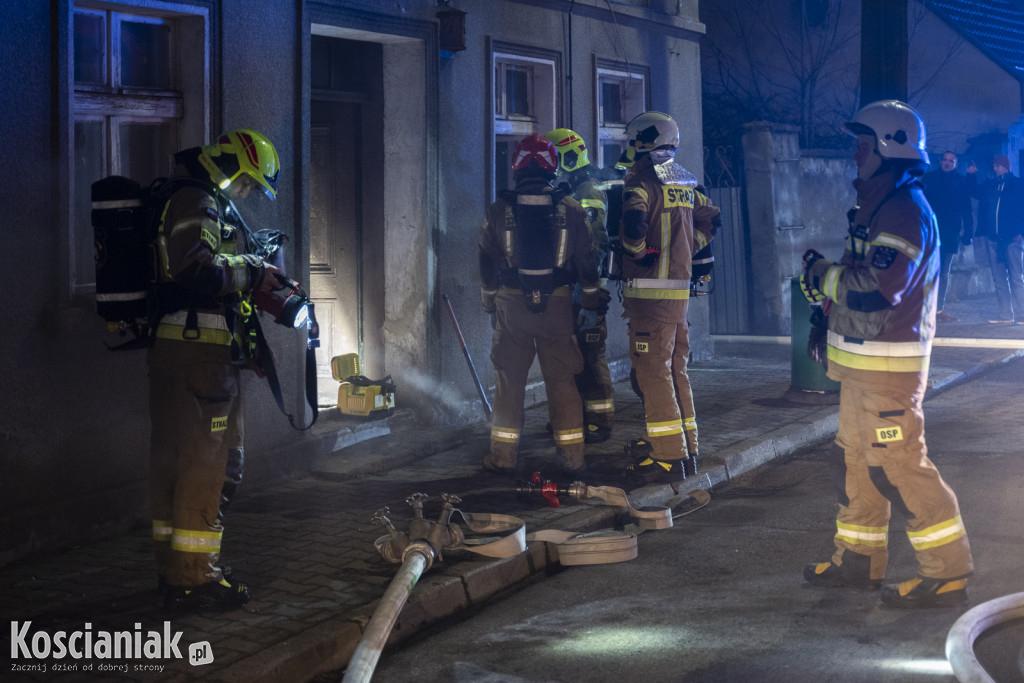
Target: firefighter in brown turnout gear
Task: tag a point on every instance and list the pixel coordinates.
(664, 223)
(534, 246)
(595, 382)
(194, 364)
(880, 300)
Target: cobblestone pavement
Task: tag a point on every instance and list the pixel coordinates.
(306, 546)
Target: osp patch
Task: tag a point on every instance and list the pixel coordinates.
(889, 434)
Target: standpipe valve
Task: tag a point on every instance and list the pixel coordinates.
(551, 491)
(423, 536)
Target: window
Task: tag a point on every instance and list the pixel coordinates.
(128, 106)
(621, 95)
(524, 103)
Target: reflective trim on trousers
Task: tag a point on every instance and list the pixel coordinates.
(568, 437)
(196, 541)
(874, 536)
(505, 435)
(162, 530)
(656, 429)
(599, 406)
(938, 534)
(690, 424)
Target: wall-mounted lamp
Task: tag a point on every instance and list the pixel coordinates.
(453, 27)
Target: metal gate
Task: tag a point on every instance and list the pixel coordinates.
(730, 296)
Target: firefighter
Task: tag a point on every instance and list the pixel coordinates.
(664, 222)
(534, 246)
(880, 300)
(194, 364)
(595, 382)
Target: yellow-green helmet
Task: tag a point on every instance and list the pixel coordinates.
(242, 151)
(572, 152)
(627, 158)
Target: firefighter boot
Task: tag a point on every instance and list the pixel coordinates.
(690, 464)
(855, 572)
(220, 595)
(651, 470)
(922, 592)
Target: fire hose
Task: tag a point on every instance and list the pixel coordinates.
(970, 625)
(425, 541)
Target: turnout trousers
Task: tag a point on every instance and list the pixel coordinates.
(519, 336)
(595, 381)
(659, 352)
(882, 462)
(196, 413)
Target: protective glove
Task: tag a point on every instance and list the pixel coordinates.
(813, 296)
(817, 340)
(588, 319)
(810, 258)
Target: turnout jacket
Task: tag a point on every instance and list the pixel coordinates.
(665, 221)
(203, 254)
(883, 294)
(572, 248)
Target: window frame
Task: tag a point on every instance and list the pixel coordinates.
(185, 106)
(544, 93)
(615, 133)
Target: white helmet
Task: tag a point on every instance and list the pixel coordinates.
(897, 127)
(652, 130)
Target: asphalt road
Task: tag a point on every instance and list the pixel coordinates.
(720, 597)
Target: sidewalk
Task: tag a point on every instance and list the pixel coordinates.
(306, 546)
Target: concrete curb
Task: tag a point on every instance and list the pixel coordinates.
(446, 593)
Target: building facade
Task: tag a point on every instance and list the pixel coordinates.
(394, 122)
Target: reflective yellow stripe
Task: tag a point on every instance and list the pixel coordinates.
(563, 240)
(206, 336)
(567, 437)
(645, 293)
(700, 239)
(162, 530)
(666, 244)
(903, 349)
(938, 534)
(600, 406)
(196, 541)
(592, 203)
(669, 428)
(635, 249)
(640, 192)
(831, 284)
(879, 363)
(899, 244)
(504, 435)
(876, 536)
(690, 424)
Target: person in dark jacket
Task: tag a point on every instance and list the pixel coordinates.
(949, 196)
(1001, 223)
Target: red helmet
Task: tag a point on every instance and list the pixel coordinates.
(535, 147)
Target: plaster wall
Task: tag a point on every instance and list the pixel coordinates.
(74, 429)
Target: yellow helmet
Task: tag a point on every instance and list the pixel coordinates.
(242, 151)
(627, 158)
(572, 152)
